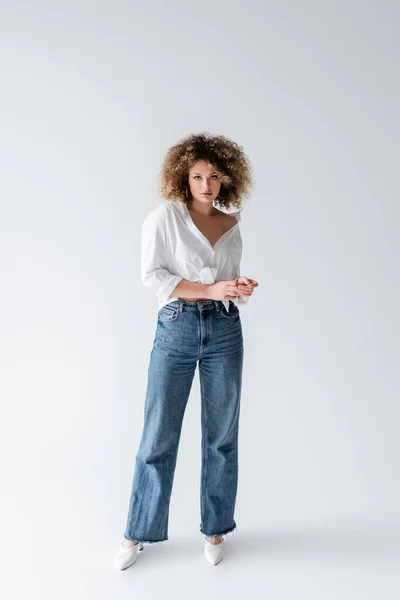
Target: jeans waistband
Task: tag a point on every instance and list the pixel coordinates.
(183, 305)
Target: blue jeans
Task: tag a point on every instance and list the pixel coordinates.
(188, 332)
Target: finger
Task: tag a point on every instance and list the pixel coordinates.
(247, 286)
(244, 288)
(232, 291)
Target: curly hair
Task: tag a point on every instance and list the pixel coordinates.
(221, 153)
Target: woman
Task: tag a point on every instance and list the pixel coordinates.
(190, 258)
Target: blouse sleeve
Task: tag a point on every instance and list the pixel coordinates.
(154, 252)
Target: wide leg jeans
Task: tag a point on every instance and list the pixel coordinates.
(188, 333)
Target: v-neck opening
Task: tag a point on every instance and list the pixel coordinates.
(194, 226)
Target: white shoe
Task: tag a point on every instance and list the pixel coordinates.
(214, 552)
(125, 557)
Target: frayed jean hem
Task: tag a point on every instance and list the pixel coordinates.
(232, 530)
(142, 542)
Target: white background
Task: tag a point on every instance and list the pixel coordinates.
(92, 96)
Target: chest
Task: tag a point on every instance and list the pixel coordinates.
(213, 228)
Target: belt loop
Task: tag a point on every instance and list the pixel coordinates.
(180, 306)
(217, 306)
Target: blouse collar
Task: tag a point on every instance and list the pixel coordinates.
(234, 211)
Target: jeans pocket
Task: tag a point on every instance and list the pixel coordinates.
(166, 314)
(233, 314)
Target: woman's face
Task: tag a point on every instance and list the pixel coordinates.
(204, 178)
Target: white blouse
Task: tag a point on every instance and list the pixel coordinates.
(173, 248)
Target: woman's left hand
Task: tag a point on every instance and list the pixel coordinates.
(245, 286)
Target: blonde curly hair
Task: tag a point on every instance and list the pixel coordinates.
(221, 153)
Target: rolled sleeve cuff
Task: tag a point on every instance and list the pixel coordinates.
(168, 286)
